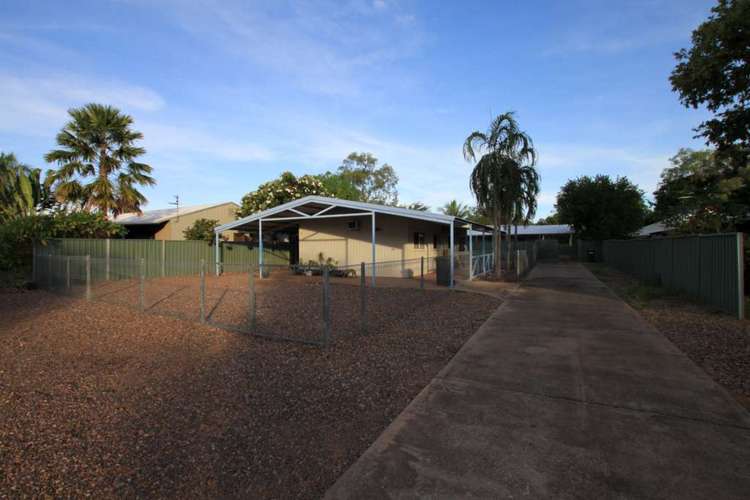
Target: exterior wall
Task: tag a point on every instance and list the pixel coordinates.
(394, 243)
(174, 228)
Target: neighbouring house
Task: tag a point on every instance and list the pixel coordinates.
(389, 239)
(654, 230)
(563, 233)
(169, 223)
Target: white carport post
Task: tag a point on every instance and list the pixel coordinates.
(471, 252)
(452, 254)
(216, 251)
(373, 249)
(260, 249)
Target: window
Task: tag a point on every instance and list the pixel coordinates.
(435, 241)
(418, 240)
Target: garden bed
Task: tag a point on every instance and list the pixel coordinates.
(99, 399)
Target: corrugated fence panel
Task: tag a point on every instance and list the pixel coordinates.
(707, 267)
(161, 258)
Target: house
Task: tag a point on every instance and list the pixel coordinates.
(169, 223)
(563, 233)
(654, 230)
(390, 240)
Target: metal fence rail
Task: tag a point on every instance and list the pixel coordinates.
(707, 267)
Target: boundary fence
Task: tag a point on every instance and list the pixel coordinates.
(709, 267)
(312, 304)
(162, 257)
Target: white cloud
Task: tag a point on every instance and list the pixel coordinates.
(176, 139)
(37, 105)
(331, 48)
(34, 106)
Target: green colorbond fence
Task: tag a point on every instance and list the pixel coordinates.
(161, 258)
(707, 267)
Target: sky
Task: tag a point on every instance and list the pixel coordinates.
(229, 94)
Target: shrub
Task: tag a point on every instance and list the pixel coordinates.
(17, 236)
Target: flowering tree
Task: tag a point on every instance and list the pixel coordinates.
(286, 188)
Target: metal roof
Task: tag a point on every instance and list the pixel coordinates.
(300, 210)
(656, 227)
(543, 229)
(164, 214)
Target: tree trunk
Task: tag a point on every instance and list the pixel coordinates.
(498, 241)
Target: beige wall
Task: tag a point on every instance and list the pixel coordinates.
(173, 229)
(394, 242)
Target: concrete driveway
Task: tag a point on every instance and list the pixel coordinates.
(565, 392)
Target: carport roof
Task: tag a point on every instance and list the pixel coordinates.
(313, 207)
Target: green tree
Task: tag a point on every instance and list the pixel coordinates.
(504, 180)
(201, 229)
(18, 235)
(286, 188)
(97, 161)
(715, 72)
(374, 184)
(703, 192)
(417, 205)
(552, 218)
(600, 208)
(22, 189)
(456, 209)
(339, 186)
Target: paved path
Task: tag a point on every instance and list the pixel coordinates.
(565, 392)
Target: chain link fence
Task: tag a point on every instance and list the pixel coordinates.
(312, 304)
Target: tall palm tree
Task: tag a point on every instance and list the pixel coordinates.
(98, 144)
(22, 189)
(456, 209)
(501, 174)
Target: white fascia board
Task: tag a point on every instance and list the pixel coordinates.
(357, 205)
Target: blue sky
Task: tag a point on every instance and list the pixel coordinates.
(230, 94)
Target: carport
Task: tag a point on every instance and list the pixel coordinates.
(353, 232)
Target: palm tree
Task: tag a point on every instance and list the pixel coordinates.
(456, 209)
(98, 143)
(22, 190)
(503, 173)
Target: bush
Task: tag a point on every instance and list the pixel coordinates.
(17, 236)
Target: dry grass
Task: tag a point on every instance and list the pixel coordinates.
(101, 400)
(715, 341)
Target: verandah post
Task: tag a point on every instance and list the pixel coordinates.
(421, 272)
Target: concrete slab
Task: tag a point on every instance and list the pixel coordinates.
(564, 392)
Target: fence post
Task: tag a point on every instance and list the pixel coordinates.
(203, 291)
(741, 275)
(163, 258)
(252, 304)
(142, 287)
(49, 272)
(33, 263)
(88, 277)
(421, 272)
(108, 247)
(362, 300)
(67, 272)
(326, 308)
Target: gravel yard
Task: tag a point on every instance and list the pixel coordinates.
(715, 341)
(98, 399)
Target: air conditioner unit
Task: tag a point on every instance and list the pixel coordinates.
(353, 225)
